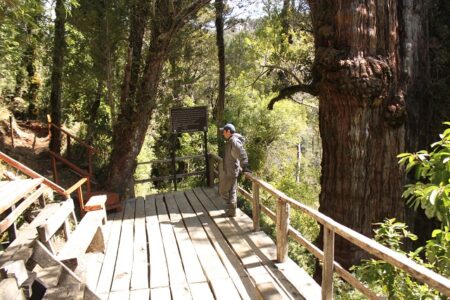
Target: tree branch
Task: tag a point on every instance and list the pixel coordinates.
(291, 90)
(285, 70)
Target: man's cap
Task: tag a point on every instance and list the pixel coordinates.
(228, 126)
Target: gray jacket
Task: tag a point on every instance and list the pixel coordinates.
(234, 156)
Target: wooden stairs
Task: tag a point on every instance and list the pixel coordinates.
(41, 261)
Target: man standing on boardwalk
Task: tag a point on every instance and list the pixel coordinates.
(235, 159)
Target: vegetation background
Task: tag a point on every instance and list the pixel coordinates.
(79, 61)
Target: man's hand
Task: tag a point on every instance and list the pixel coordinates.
(246, 169)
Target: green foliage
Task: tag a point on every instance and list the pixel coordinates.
(437, 251)
(382, 277)
(432, 171)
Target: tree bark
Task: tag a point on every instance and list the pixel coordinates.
(367, 60)
(220, 107)
(57, 71)
(132, 123)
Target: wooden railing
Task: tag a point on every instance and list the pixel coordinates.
(331, 228)
(69, 137)
(171, 177)
(77, 187)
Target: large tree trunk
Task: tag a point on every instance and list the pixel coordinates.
(132, 123)
(57, 70)
(220, 107)
(367, 61)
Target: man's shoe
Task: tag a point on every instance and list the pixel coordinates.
(231, 211)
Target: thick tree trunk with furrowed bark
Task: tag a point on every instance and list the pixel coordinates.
(368, 60)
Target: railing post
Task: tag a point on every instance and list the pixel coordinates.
(68, 147)
(80, 200)
(90, 162)
(55, 175)
(210, 170)
(328, 259)
(11, 130)
(282, 229)
(256, 211)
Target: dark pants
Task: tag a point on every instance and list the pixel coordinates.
(228, 190)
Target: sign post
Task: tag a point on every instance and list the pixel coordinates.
(187, 120)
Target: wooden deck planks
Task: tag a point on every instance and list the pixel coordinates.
(140, 269)
(162, 293)
(233, 265)
(265, 283)
(112, 246)
(177, 246)
(201, 290)
(176, 273)
(191, 264)
(208, 257)
(124, 263)
(159, 275)
(140, 294)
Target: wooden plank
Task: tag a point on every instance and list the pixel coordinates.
(109, 262)
(231, 262)
(31, 173)
(10, 290)
(119, 295)
(159, 276)
(15, 190)
(95, 203)
(95, 260)
(265, 283)
(48, 277)
(294, 280)
(256, 207)
(173, 257)
(328, 259)
(224, 289)
(296, 276)
(20, 248)
(12, 217)
(140, 294)
(206, 253)
(192, 266)
(93, 263)
(124, 263)
(162, 293)
(201, 290)
(83, 236)
(74, 291)
(180, 291)
(55, 221)
(282, 225)
(140, 270)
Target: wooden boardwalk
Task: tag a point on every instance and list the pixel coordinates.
(177, 246)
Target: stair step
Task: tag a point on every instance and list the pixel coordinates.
(112, 200)
(72, 291)
(48, 277)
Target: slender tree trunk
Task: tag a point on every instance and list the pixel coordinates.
(132, 123)
(220, 107)
(57, 70)
(364, 74)
(93, 112)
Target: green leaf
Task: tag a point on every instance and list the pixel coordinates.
(433, 196)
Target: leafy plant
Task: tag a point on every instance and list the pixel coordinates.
(432, 170)
(382, 277)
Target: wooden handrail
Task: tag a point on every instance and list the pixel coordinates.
(14, 163)
(71, 165)
(331, 228)
(80, 141)
(74, 187)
